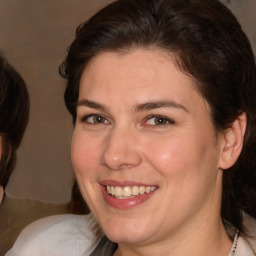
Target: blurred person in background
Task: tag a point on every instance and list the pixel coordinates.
(14, 114)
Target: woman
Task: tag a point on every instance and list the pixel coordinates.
(162, 95)
(14, 113)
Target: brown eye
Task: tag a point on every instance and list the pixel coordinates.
(95, 119)
(159, 120)
(98, 119)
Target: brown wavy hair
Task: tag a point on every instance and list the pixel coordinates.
(209, 45)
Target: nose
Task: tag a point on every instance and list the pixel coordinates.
(121, 150)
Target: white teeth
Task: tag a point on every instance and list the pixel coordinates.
(152, 188)
(135, 190)
(148, 189)
(142, 190)
(118, 191)
(112, 191)
(126, 192)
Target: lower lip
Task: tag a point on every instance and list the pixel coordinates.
(125, 203)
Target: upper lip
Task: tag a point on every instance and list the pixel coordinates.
(124, 183)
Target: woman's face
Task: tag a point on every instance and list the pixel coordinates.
(144, 150)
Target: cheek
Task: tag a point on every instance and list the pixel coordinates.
(84, 157)
(181, 157)
(84, 153)
(168, 155)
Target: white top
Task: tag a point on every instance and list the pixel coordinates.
(72, 235)
(60, 235)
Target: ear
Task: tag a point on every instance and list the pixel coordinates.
(232, 142)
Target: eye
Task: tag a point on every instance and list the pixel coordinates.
(95, 119)
(158, 120)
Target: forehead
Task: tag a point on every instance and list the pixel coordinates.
(150, 69)
(123, 82)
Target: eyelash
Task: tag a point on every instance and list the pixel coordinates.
(84, 119)
(164, 120)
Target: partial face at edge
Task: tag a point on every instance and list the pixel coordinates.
(142, 125)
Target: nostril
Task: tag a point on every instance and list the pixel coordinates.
(121, 160)
(120, 150)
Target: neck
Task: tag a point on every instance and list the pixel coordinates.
(200, 242)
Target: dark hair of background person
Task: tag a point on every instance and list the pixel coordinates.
(14, 114)
(209, 45)
(77, 204)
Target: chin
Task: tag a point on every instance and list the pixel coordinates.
(126, 237)
(128, 233)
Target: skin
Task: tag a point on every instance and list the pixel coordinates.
(183, 157)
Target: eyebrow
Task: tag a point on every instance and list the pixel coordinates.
(139, 108)
(91, 104)
(159, 104)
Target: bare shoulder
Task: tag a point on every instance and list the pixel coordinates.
(58, 235)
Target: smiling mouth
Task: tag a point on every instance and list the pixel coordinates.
(129, 191)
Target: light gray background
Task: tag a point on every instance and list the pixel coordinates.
(34, 35)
